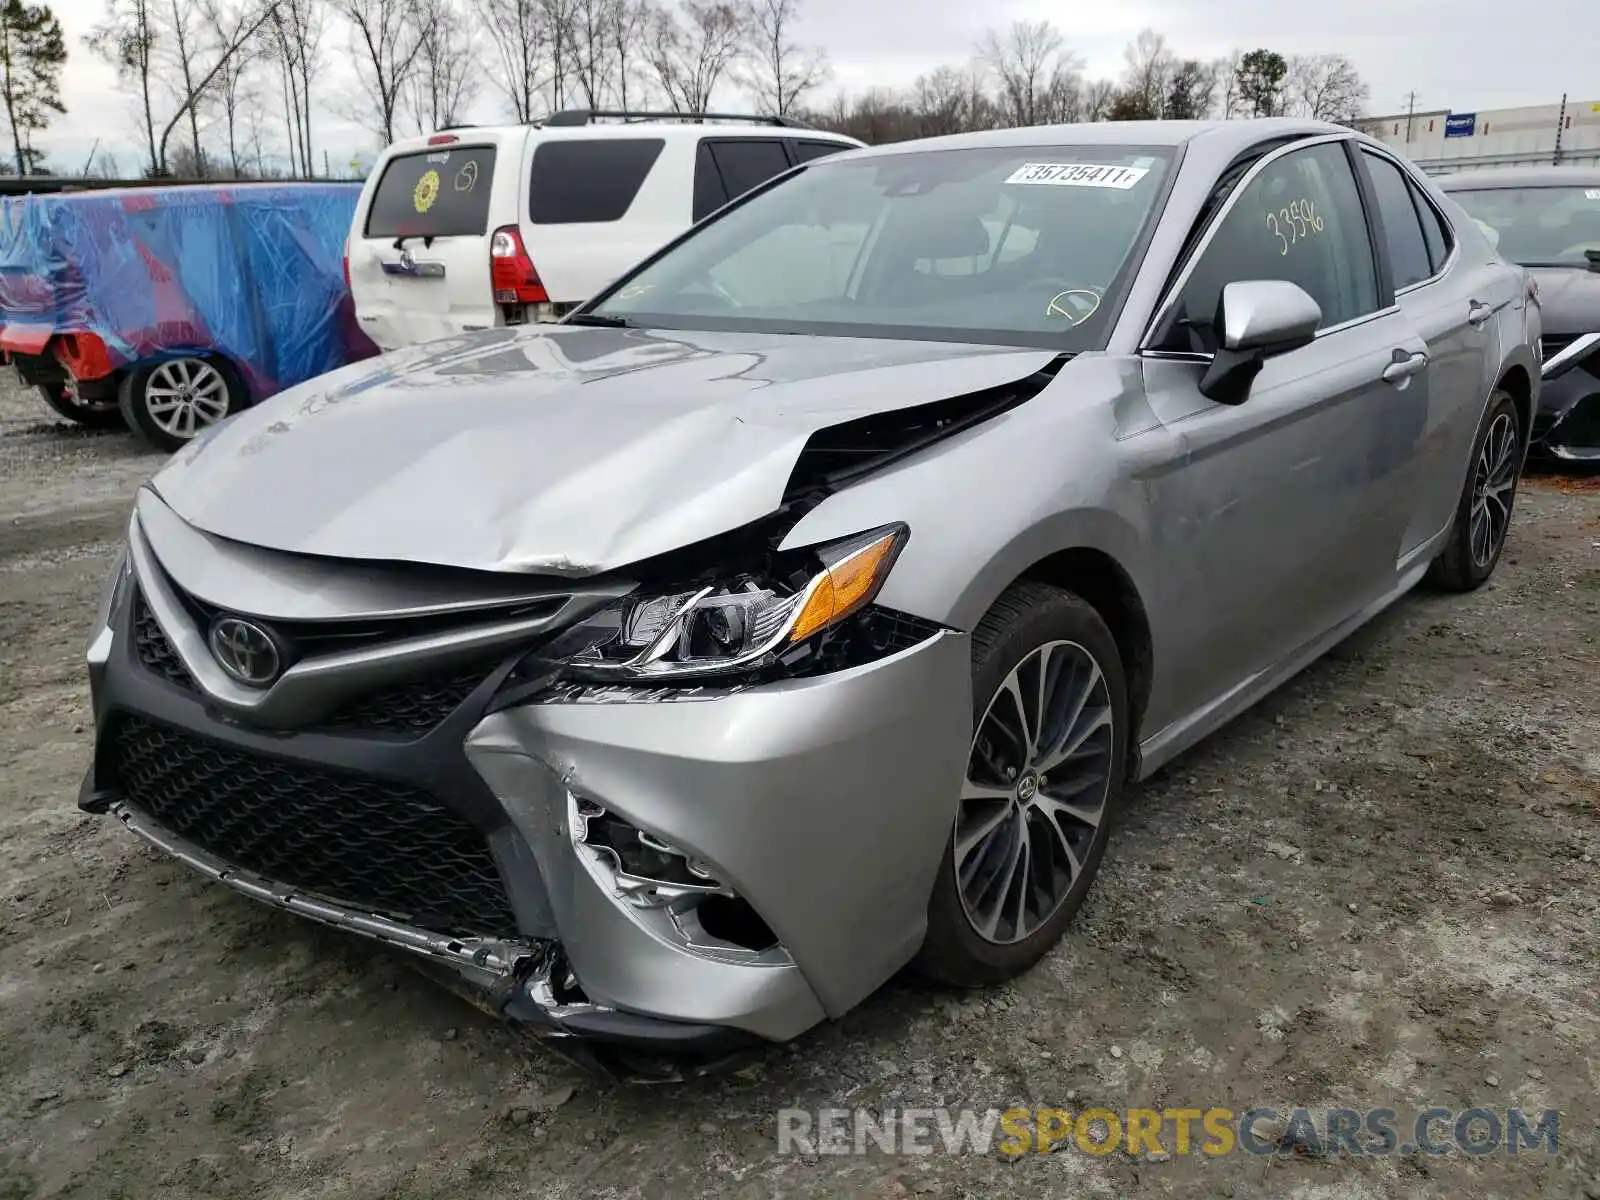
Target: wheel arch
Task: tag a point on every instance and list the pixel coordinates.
(1516, 380)
(1106, 586)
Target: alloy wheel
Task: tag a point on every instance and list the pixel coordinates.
(1494, 482)
(183, 395)
(1033, 802)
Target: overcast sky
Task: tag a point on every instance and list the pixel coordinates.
(1465, 55)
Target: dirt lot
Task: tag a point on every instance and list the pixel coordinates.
(1382, 887)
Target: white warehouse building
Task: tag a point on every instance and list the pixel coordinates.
(1442, 142)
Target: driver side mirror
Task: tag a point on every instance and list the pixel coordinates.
(1256, 319)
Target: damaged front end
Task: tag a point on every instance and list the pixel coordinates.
(659, 817)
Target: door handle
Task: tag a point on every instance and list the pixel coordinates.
(1478, 312)
(1404, 365)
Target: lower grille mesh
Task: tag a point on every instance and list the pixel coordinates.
(372, 845)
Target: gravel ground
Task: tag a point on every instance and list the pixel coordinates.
(1379, 888)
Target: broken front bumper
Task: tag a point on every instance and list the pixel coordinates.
(811, 814)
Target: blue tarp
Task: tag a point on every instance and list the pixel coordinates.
(253, 272)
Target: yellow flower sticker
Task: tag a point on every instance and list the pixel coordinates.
(426, 192)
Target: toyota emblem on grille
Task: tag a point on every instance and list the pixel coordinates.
(246, 651)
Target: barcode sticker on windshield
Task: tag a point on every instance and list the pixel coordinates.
(1592, 194)
(1100, 175)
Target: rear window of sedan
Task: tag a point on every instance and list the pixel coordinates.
(1030, 246)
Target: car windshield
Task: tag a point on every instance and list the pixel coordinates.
(1538, 226)
(1028, 246)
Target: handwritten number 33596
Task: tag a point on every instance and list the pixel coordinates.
(1293, 224)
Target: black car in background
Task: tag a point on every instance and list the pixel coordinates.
(1548, 220)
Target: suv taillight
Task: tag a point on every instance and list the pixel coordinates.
(511, 270)
(347, 264)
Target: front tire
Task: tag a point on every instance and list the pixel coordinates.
(105, 415)
(169, 402)
(1483, 513)
(1042, 787)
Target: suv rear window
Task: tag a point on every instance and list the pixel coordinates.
(577, 181)
(440, 193)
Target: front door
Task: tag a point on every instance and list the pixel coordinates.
(1274, 512)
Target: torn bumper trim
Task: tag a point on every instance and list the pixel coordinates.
(509, 980)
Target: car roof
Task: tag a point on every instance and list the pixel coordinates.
(1220, 139)
(468, 134)
(1505, 177)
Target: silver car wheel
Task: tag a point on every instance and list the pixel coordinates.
(1493, 483)
(183, 395)
(1034, 799)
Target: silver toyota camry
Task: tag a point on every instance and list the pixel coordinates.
(802, 607)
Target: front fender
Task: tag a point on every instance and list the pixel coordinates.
(1056, 473)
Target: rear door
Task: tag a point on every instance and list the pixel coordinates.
(596, 204)
(1450, 302)
(419, 254)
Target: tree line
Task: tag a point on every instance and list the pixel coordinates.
(229, 88)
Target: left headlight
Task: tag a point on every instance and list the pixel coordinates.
(735, 624)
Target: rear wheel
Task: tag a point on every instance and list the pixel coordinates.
(1043, 782)
(1483, 514)
(171, 401)
(64, 400)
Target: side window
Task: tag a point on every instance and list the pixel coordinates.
(1402, 229)
(1299, 220)
(1434, 230)
(806, 151)
(709, 192)
(580, 181)
(747, 162)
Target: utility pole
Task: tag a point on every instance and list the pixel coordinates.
(327, 171)
(1561, 120)
(1411, 107)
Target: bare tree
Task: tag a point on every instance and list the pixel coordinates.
(297, 28)
(559, 16)
(781, 70)
(627, 22)
(948, 100)
(520, 33)
(445, 81)
(1098, 97)
(237, 97)
(127, 40)
(1144, 78)
(1033, 67)
(1226, 72)
(588, 47)
(691, 53)
(387, 37)
(1325, 87)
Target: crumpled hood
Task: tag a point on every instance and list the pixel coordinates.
(558, 450)
(1569, 299)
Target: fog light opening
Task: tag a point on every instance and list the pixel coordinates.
(647, 871)
(732, 920)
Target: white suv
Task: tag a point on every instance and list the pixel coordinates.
(476, 227)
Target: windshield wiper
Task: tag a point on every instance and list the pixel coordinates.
(604, 320)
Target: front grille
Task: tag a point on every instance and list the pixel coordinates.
(372, 845)
(408, 710)
(151, 647)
